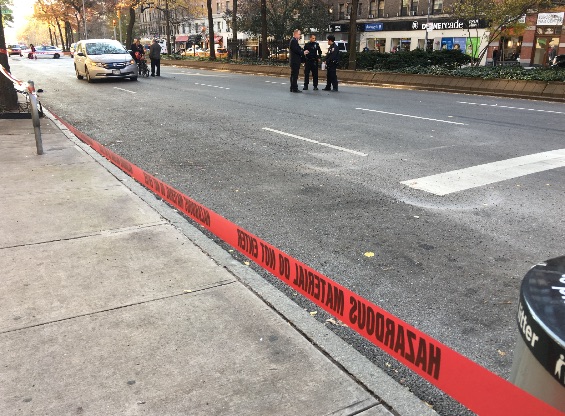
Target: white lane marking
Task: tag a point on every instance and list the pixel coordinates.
(512, 108)
(123, 89)
(343, 149)
(211, 86)
(198, 74)
(407, 115)
(480, 175)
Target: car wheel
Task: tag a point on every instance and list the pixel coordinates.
(87, 75)
(79, 76)
(56, 56)
(133, 78)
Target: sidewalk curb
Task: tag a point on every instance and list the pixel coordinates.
(392, 395)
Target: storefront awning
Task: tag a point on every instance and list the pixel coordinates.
(181, 38)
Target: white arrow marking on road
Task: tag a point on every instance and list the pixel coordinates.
(475, 176)
(407, 115)
(343, 149)
(123, 89)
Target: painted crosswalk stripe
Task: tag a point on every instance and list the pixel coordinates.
(343, 149)
(475, 176)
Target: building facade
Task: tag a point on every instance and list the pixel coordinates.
(187, 25)
(394, 25)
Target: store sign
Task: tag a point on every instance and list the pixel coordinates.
(550, 19)
(373, 27)
(406, 25)
(457, 24)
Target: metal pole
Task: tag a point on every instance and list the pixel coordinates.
(35, 117)
(427, 23)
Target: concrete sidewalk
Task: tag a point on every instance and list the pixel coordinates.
(112, 304)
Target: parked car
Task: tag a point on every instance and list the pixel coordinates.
(558, 62)
(342, 45)
(14, 50)
(103, 58)
(193, 51)
(45, 51)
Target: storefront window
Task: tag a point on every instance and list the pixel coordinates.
(510, 48)
(380, 45)
(394, 45)
(543, 50)
(405, 44)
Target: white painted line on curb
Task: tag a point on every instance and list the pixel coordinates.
(480, 175)
(343, 149)
(123, 89)
(407, 115)
(512, 108)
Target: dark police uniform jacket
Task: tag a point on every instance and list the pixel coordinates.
(332, 58)
(296, 52)
(314, 51)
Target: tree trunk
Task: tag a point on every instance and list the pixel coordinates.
(51, 36)
(211, 42)
(352, 47)
(168, 26)
(61, 34)
(78, 26)
(8, 95)
(234, 21)
(264, 48)
(129, 34)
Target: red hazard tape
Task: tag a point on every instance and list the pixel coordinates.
(470, 384)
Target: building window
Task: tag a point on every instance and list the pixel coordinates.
(372, 9)
(437, 7)
(218, 7)
(348, 13)
(219, 26)
(404, 7)
(360, 9)
(341, 11)
(414, 8)
(381, 8)
(227, 5)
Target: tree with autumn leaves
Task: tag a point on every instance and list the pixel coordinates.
(503, 16)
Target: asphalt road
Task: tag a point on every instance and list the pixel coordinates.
(451, 264)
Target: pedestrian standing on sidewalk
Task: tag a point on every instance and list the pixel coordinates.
(155, 56)
(311, 65)
(332, 60)
(495, 57)
(296, 55)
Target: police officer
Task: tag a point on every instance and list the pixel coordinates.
(332, 60)
(311, 64)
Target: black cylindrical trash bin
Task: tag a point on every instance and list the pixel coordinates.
(539, 357)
